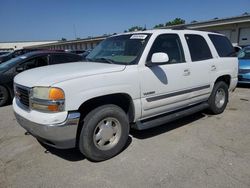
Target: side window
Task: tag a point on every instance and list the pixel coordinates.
(42, 61)
(170, 44)
(59, 58)
(198, 47)
(73, 58)
(30, 64)
(222, 45)
(35, 62)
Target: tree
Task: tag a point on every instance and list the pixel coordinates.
(159, 26)
(136, 28)
(176, 21)
(64, 39)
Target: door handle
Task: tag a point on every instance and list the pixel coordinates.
(213, 68)
(186, 72)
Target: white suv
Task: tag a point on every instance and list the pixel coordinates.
(139, 80)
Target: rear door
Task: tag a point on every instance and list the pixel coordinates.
(201, 66)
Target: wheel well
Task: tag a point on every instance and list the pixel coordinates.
(124, 101)
(224, 78)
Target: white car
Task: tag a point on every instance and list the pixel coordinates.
(134, 80)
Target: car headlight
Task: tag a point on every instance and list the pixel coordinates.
(48, 99)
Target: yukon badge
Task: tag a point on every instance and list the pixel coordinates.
(149, 93)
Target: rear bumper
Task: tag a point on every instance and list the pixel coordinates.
(61, 135)
(233, 84)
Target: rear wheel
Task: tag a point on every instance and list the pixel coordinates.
(104, 132)
(219, 98)
(4, 95)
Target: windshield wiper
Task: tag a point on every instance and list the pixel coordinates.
(106, 60)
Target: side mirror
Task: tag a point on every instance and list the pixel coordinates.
(159, 58)
(19, 69)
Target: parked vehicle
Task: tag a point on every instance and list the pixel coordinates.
(244, 66)
(4, 53)
(15, 53)
(237, 49)
(86, 53)
(9, 69)
(134, 80)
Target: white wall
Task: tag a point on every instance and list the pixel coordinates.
(20, 45)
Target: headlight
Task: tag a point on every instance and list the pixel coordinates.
(48, 99)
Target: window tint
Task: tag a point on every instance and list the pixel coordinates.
(35, 62)
(74, 58)
(198, 47)
(64, 58)
(170, 44)
(222, 45)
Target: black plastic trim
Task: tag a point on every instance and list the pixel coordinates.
(151, 99)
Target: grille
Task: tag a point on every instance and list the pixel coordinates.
(244, 71)
(23, 95)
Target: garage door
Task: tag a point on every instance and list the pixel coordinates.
(244, 38)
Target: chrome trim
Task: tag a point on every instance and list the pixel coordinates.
(47, 102)
(62, 135)
(28, 89)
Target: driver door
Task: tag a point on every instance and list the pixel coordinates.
(165, 87)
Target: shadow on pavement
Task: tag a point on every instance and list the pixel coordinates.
(67, 154)
(144, 134)
(243, 86)
(74, 154)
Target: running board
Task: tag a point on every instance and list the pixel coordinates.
(160, 120)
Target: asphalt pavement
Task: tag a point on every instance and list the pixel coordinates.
(197, 151)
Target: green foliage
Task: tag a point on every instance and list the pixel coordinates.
(135, 28)
(176, 21)
(159, 26)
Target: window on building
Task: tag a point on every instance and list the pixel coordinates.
(198, 47)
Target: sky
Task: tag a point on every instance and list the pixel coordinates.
(34, 20)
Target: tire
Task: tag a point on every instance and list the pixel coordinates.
(219, 98)
(4, 96)
(104, 133)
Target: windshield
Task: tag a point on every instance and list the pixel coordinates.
(10, 63)
(244, 53)
(123, 49)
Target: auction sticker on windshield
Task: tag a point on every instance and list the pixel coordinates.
(138, 37)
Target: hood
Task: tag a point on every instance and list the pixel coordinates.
(49, 75)
(244, 63)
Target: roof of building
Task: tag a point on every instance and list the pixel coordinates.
(215, 22)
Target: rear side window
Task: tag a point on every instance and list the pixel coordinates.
(64, 58)
(74, 58)
(198, 47)
(222, 45)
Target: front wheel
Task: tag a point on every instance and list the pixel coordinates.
(219, 98)
(4, 96)
(104, 132)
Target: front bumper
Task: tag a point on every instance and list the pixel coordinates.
(61, 135)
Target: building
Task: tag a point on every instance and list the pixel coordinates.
(237, 28)
(79, 44)
(22, 44)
